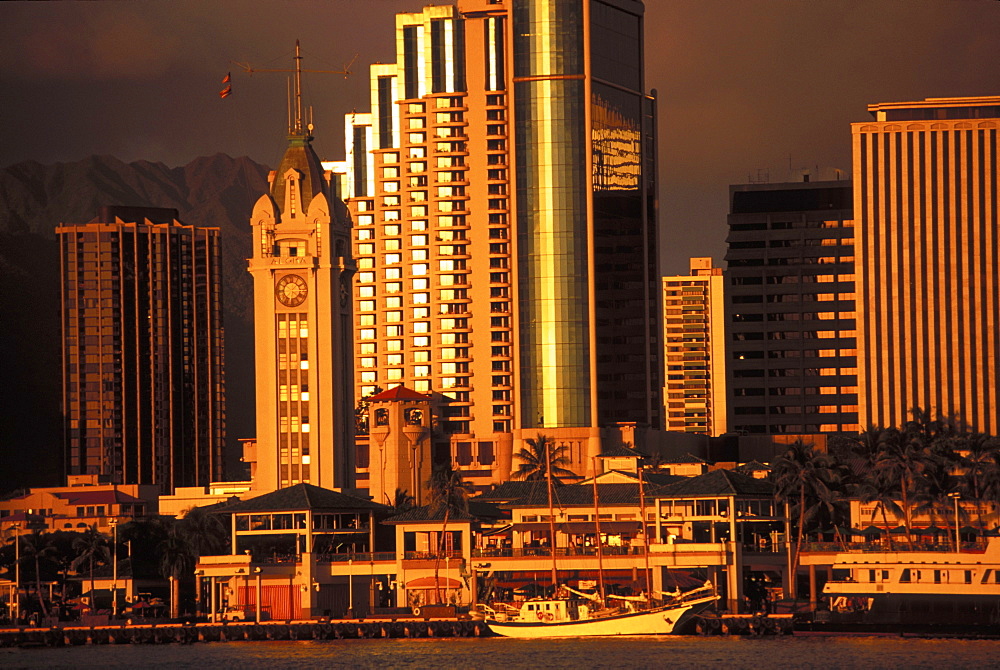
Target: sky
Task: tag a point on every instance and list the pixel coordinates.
(747, 89)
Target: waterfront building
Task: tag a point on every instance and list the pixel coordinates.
(302, 268)
(694, 341)
(143, 393)
(926, 176)
(503, 190)
(792, 359)
(299, 552)
(305, 552)
(82, 503)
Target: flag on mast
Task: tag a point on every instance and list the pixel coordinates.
(227, 78)
(228, 90)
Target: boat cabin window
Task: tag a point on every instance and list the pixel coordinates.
(986, 575)
(968, 576)
(904, 577)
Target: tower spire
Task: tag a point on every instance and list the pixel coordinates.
(296, 128)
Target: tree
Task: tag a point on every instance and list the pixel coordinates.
(175, 560)
(402, 501)
(536, 458)
(361, 423)
(203, 532)
(903, 461)
(978, 457)
(448, 495)
(38, 547)
(143, 536)
(90, 547)
(801, 475)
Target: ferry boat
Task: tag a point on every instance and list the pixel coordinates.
(923, 586)
(583, 616)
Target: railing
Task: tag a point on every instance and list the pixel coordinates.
(507, 552)
(275, 559)
(431, 555)
(884, 547)
(357, 557)
(361, 557)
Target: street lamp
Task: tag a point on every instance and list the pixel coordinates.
(955, 495)
(257, 572)
(17, 572)
(350, 587)
(114, 570)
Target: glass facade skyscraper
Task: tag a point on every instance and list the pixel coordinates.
(506, 237)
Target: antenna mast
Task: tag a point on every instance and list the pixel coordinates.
(297, 129)
(295, 124)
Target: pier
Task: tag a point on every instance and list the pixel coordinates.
(174, 633)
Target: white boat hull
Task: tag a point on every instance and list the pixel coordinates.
(660, 621)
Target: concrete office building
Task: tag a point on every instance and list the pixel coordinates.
(694, 341)
(143, 395)
(792, 361)
(927, 177)
(503, 195)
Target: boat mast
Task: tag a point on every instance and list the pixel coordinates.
(645, 536)
(597, 527)
(552, 521)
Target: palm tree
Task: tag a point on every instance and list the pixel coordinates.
(904, 460)
(143, 536)
(203, 532)
(881, 490)
(90, 547)
(38, 547)
(802, 474)
(980, 465)
(448, 494)
(175, 560)
(537, 457)
(402, 501)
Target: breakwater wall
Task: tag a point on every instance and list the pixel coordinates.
(61, 636)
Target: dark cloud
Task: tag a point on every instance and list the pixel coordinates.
(748, 87)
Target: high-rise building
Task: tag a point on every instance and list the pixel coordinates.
(792, 361)
(503, 190)
(694, 342)
(143, 397)
(301, 268)
(926, 236)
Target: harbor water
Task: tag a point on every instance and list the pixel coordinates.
(465, 653)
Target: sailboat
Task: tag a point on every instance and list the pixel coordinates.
(583, 616)
(572, 613)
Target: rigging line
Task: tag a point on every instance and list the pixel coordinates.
(313, 57)
(241, 140)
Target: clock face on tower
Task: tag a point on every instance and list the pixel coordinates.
(291, 290)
